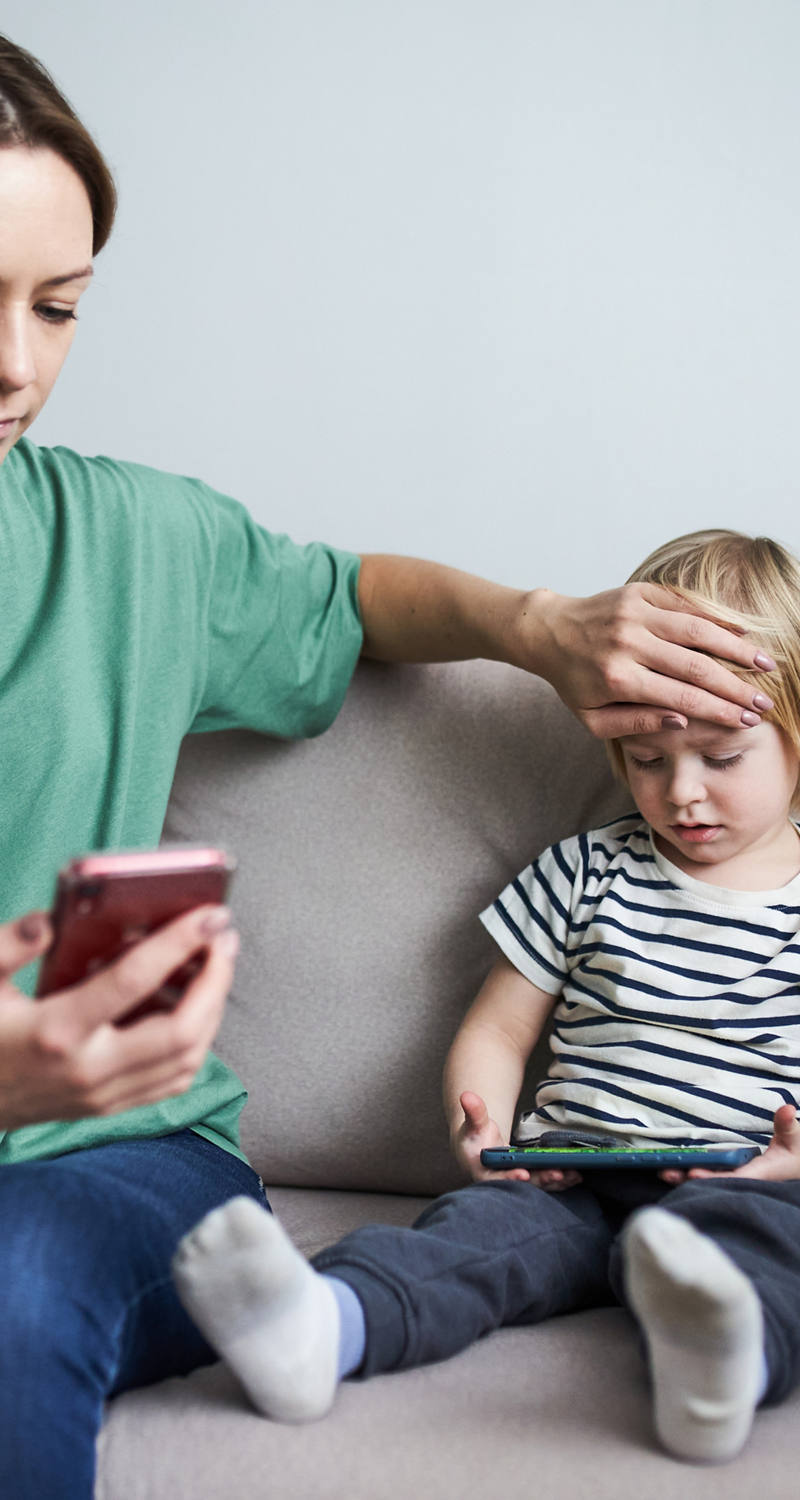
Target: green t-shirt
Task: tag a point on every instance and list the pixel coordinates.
(138, 607)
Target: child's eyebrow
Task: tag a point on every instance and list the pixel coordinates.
(730, 741)
(726, 739)
(719, 747)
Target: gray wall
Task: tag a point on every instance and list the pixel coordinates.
(508, 283)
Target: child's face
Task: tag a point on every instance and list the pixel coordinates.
(716, 796)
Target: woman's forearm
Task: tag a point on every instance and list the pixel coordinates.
(414, 610)
(631, 660)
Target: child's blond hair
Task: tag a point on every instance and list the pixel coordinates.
(751, 583)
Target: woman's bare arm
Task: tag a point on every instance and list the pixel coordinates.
(622, 661)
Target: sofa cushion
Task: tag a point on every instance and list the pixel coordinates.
(562, 1409)
(364, 859)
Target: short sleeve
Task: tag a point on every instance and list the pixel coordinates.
(283, 628)
(532, 919)
(235, 626)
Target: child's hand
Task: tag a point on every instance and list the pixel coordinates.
(779, 1163)
(478, 1130)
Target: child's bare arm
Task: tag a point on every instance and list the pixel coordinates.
(493, 1044)
(485, 1066)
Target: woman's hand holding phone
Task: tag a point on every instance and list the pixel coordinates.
(63, 1057)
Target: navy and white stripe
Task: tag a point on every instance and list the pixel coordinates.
(678, 1012)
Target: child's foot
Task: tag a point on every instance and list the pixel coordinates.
(272, 1319)
(702, 1321)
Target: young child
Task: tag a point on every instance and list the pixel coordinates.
(667, 946)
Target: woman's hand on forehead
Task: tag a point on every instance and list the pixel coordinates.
(637, 660)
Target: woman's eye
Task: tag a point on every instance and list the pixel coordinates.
(56, 314)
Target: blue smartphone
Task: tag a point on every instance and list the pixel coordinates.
(593, 1158)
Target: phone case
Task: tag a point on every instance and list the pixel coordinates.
(591, 1160)
(104, 903)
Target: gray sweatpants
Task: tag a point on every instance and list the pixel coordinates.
(501, 1253)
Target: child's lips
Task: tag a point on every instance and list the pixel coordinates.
(696, 833)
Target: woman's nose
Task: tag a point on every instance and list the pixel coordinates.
(17, 364)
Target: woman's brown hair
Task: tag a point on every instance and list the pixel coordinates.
(34, 113)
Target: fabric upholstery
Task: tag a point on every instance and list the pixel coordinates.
(562, 1410)
(364, 859)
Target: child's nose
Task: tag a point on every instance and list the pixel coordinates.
(685, 786)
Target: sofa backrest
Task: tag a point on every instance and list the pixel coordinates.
(364, 858)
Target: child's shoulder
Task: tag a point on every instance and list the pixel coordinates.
(626, 839)
(629, 833)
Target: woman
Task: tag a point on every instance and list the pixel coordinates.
(138, 607)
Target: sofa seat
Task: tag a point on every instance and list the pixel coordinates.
(560, 1410)
(364, 858)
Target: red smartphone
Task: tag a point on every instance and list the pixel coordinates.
(104, 903)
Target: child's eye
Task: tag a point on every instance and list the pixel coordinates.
(646, 765)
(723, 762)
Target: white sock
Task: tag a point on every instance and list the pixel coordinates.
(703, 1324)
(272, 1319)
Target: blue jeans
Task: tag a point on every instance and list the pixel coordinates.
(88, 1306)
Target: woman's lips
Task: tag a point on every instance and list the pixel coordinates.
(695, 833)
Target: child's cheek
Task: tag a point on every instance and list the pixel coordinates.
(643, 796)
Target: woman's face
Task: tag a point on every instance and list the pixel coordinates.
(45, 265)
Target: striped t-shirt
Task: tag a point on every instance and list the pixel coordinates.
(679, 1009)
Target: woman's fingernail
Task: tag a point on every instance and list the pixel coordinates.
(31, 928)
(216, 921)
(750, 720)
(762, 702)
(673, 721)
(764, 662)
(230, 943)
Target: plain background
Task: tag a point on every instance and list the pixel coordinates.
(508, 283)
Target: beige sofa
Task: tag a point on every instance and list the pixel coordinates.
(364, 858)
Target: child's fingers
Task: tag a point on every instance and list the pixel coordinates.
(675, 1177)
(479, 1173)
(476, 1115)
(556, 1179)
(786, 1128)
